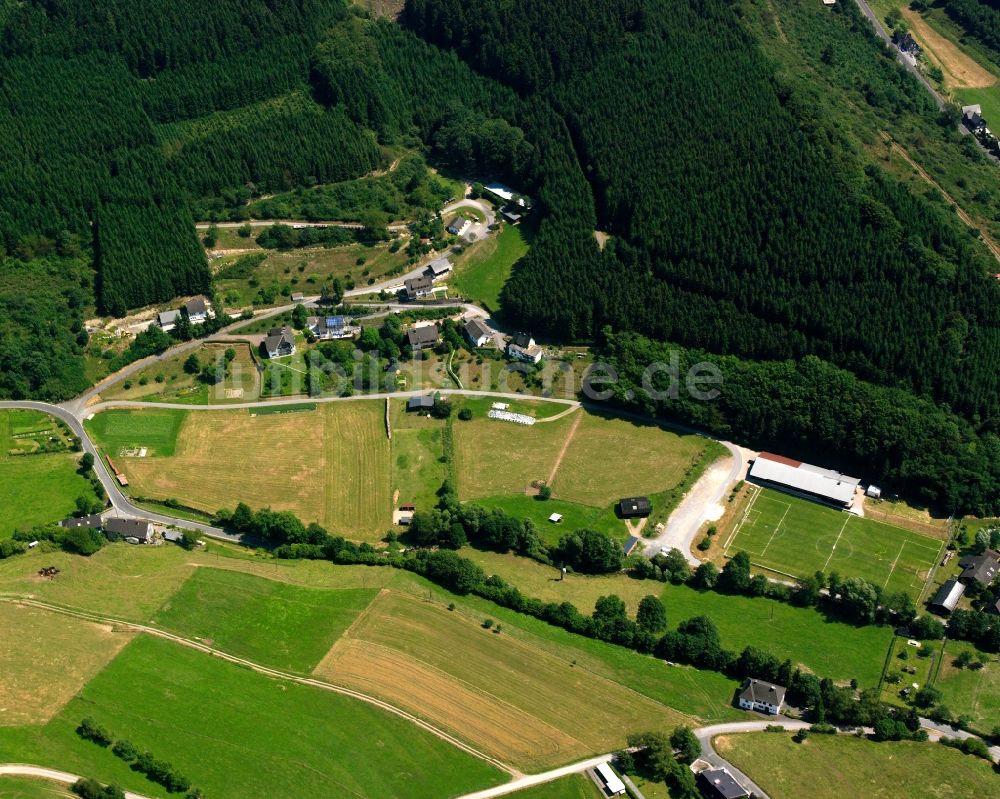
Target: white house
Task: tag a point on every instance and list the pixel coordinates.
(522, 347)
(478, 334)
(416, 287)
(764, 697)
(280, 341)
(459, 225)
(167, 320)
(198, 310)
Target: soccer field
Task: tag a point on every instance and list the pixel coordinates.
(796, 537)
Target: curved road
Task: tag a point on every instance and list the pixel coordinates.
(25, 770)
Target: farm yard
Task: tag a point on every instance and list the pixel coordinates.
(38, 474)
(794, 537)
(855, 767)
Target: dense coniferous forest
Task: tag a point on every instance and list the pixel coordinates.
(981, 19)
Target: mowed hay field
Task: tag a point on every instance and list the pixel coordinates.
(269, 622)
(849, 766)
(505, 695)
(45, 658)
(796, 537)
(236, 734)
(329, 465)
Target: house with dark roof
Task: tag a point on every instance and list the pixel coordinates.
(420, 338)
(972, 117)
(946, 599)
(522, 347)
(280, 341)
(167, 320)
(424, 402)
(438, 268)
(134, 531)
(764, 697)
(630, 544)
(416, 287)
(980, 568)
(459, 225)
(717, 783)
(478, 334)
(634, 507)
(93, 522)
(197, 310)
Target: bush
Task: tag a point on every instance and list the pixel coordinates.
(92, 789)
(705, 543)
(487, 623)
(465, 414)
(125, 750)
(544, 493)
(90, 730)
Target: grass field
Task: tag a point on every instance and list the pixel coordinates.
(973, 692)
(575, 516)
(481, 276)
(45, 659)
(266, 621)
(416, 450)
(831, 649)
(575, 786)
(330, 465)
(36, 489)
(28, 788)
(157, 430)
(831, 767)
(796, 537)
(236, 734)
(517, 701)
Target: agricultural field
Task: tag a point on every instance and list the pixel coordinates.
(236, 733)
(514, 700)
(417, 449)
(972, 692)
(45, 658)
(795, 537)
(329, 465)
(575, 786)
(853, 766)
(482, 270)
(168, 381)
(40, 486)
(804, 635)
(266, 621)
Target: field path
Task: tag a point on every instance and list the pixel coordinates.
(268, 672)
(565, 446)
(64, 777)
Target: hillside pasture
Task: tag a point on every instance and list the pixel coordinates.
(506, 696)
(972, 692)
(481, 272)
(266, 621)
(236, 733)
(45, 658)
(795, 537)
(31, 788)
(853, 766)
(329, 465)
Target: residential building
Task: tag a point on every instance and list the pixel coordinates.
(416, 287)
(330, 327)
(980, 568)
(424, 402)
(718, 783)
(634, 507)
(438, 268)
(280, 341)
(478, 334)
(764, 697)
(972, 116)
(94, 522)
(459, 225)
(197, 310)
(522, 347)
(167, 320)
(946, 599)
(801, 479)
(420, 338)
(134, 531)
(613, 786)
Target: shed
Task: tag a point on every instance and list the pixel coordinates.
(630, 544)
(438, 268)
(946, 599)
(873, 491)
(555, 518)
(634, 507)
(613, 786)
(422, 403)
(298, 296)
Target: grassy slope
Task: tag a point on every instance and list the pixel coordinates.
(482, 275)
(975, 692)
(575, 786)
(831, 649)
(236, 734)
(35, 488)
(851, 766)
(268, 622)
(27, 788)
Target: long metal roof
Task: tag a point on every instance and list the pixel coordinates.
(803, 477)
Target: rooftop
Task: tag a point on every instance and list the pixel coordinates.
(815, 480)
(981, 568)
(425, 334)
(948, 595)
(760, 691)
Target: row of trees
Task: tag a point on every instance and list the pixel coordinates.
(981, 19)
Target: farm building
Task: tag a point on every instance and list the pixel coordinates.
(764, 697)
(422, 337)
(718, 783)
(795, 477)
(422, 403)
(94, 522)
(438, 268)
(167, 320)
(459, 225)
(634, 507)
(280, 342)
(630, 544)
(197, 310)
(416, 287)
(980, 568)
(613, 786)
(478, 334)
(946, 599)
(135, 531)
(522, 347)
